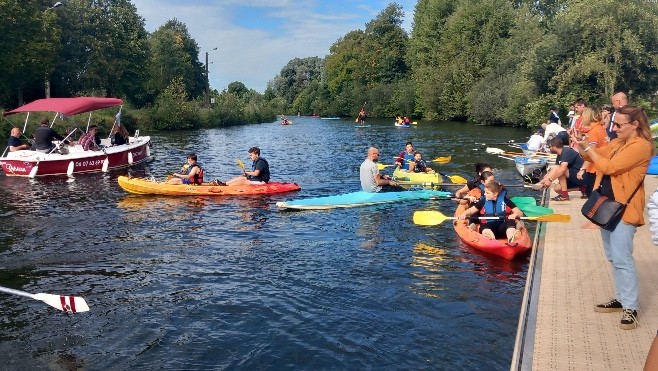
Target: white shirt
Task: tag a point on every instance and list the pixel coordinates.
(551, 130)
(535, 142)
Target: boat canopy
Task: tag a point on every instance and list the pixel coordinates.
(67, 106)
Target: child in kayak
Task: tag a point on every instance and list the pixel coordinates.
(418, 165)
(496, 204)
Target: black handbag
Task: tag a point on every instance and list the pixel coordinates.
(603, 211)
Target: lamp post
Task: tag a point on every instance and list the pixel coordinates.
(46, 80)
(207, 100)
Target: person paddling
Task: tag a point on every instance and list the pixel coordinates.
(496, 203)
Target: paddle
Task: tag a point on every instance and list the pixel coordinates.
(241, 164)
(382, 166)
(69, 304)
(435, 217)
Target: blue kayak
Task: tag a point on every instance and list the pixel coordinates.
(356, 199)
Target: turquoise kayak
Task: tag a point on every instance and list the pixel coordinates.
(356, 199)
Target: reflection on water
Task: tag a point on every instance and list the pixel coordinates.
(232, 282)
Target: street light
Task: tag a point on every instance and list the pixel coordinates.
(47, 78)
(207, 100)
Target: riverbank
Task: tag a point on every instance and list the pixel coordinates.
(558, 327)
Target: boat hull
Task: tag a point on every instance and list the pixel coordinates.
(358, 199)
(77, 161)
(525, 166)
(147, 187)
(499, 247)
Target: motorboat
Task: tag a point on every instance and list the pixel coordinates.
(73, 159)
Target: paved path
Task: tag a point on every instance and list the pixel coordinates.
(560, 330)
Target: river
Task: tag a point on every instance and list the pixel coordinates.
(234, 283)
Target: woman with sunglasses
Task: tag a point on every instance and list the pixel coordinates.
(620, 168)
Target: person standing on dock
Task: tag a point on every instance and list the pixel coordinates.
(620, 170)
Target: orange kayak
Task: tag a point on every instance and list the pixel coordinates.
(498, 247)
(148, 187)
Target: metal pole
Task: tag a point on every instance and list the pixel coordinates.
(207, 100)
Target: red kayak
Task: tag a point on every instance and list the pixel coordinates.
(499, 247)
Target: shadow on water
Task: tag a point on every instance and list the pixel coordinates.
(232, 282)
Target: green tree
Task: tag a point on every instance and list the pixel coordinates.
(296, 76)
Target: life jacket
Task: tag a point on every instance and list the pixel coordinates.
(198, 177)
(495, 208)
(420, 167)
(264, 176)
(406, 159)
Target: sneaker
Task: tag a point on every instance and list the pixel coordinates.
(629, 319)
(560, 198)
(217, 182)
(612, 306)
(515, 236)
(584, 197)
(472, 226)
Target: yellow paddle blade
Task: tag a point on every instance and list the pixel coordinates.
(414, 123)
(240, 163)
(455, 178)
(442, 159)
(564, 218)
(426, 217)
(382, 166)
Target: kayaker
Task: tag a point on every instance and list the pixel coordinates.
(259, 174)
(496, 204)
(479, 168)
(193, 173)
(362, 116)
(405, 157)
(418, 165)
(14, 142)
(371, 179)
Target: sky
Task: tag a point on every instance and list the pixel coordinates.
(255, 39)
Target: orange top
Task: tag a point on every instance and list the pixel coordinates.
(596, 137)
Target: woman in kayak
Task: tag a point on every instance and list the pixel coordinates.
(192, 173)
(496, 204)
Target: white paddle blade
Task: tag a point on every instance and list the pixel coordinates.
(33, 172)
(495, 151)
(69, 304)
(69, 169)
(106, 165)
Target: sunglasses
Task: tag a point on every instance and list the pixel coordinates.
(619, 124)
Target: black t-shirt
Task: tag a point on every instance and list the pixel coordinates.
(14, 142)
(264, 168)
(571, 157)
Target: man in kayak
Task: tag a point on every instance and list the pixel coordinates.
(14, 142)
(259, 174)
(405, 157)
(371, 179)
(193, 173)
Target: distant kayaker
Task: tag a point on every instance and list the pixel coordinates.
(371, 179)
(259, 174)
(193, 173)
(362, 116)
(14, 142)
(405, 157)
(495, 203)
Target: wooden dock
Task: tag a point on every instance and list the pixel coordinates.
(568, 276)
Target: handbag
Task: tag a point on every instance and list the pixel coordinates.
(603, 211)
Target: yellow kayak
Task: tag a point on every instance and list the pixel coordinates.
(149, 187)
(405, 176)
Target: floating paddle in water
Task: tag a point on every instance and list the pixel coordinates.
(435, 217)
(69, 304)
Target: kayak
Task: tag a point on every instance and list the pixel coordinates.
(148, 187)
(499, 247)
(356, 199)
(405, 176)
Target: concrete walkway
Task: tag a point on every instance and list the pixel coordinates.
(569, 274)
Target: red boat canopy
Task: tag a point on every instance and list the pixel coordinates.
(67, 106)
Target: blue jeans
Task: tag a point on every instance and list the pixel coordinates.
(618, 246)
